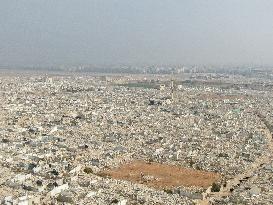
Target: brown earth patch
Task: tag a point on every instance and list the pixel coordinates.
(161, 175)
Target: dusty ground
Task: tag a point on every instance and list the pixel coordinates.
(162, 176)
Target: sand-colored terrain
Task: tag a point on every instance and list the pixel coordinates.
(161, 175)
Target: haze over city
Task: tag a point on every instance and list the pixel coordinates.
(49, 32)
(136, 102)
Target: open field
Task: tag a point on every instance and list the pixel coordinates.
(162, 176)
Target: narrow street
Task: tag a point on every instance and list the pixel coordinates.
(231, 184)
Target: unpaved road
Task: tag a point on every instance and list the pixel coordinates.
(208, 196)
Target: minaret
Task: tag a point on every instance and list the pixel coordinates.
(172, 88)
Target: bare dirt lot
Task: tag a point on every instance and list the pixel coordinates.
(162, 176)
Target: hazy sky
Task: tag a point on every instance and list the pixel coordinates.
(46, 32)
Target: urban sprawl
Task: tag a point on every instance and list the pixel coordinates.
(174, 138)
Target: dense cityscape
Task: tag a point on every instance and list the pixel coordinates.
(125, 102)
(180, 138)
